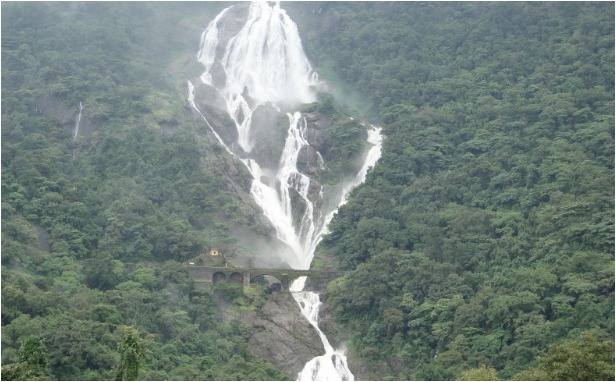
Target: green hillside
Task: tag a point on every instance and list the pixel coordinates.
(142, 183)
(485, 233)
(480, 246)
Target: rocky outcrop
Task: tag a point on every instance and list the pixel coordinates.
(317, 131)
(55, 109)
(246, 222)
(282, 335)
(213, 107)
(44, 238)
(337, 337)
(269, 127)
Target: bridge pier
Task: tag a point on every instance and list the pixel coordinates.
(284, 280)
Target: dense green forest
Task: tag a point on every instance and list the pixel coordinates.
(486, 232)
(480, 246)
(143, 185)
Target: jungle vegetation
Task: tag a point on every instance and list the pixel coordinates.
(142, 186)
(485, 235)
(480, 246)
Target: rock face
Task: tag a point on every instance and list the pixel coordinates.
(234, 21)
(317, 131)
(337, 337)
(54, 108)
(213, 106)
(282, 335)
(269, 127)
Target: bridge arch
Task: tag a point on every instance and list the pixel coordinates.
(236, 277)
(275, 283)
(219, 277)
(263, 277)
(281, 277)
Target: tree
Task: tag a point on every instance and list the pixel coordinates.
(103, 272)
(586, 359)
(32, 364)
(132, 354)
(483, 373)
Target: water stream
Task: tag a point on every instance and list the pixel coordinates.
(331, 366)
(77, 122)
(76, 129)
(261, 63)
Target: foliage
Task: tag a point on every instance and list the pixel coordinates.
(132, 355)
(485, 233)
(156, 321)
(586, 359)
(32, 364)
(141, 183)
(483, 373)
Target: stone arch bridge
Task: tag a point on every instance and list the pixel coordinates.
(245, 276)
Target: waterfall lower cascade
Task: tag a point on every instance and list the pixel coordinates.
(332, 366)
(254, 61)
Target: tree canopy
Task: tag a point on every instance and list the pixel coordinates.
(485, 233)
(481, 244)
(140, 183)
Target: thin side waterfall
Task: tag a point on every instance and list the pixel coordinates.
(76, 129)
(77, 122)
(261, 64)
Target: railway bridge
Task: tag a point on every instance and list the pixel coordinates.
(246, 276)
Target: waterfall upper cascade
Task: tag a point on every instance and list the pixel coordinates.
(264, 62)
(254, 61)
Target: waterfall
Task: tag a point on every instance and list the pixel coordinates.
(332, 366)
(76, 130)
(265, 58)
(261, 64)
(264, 64)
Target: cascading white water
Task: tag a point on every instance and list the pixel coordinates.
(265, 58)
(332, 366)
(76, 129)
(264, 65)
(77, 122)
(376, 139)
